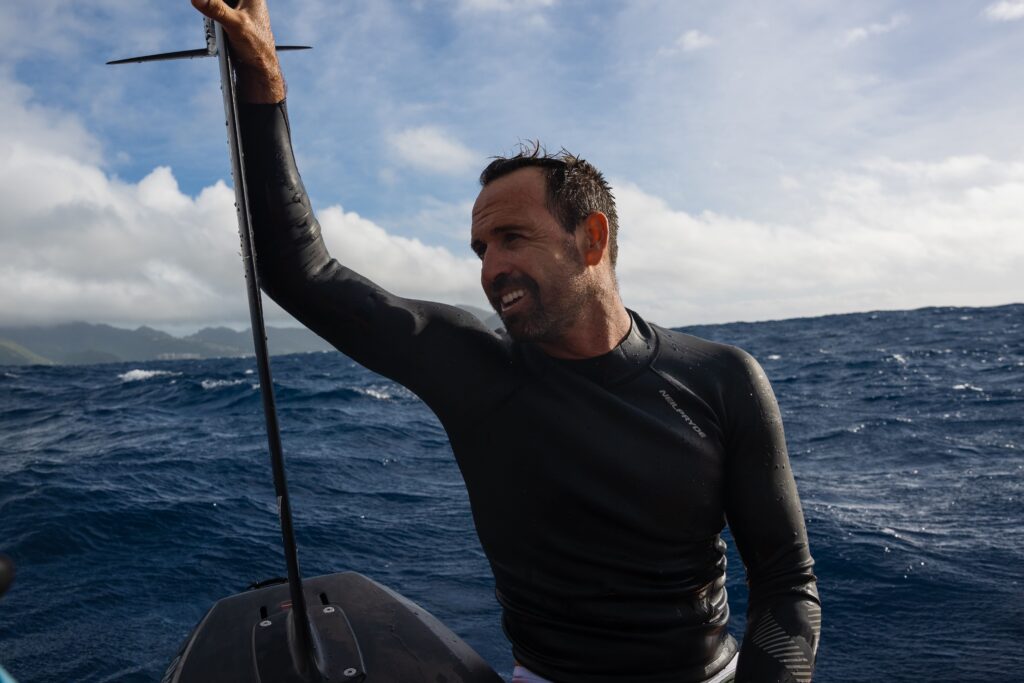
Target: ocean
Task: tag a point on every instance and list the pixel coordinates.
(133, 496)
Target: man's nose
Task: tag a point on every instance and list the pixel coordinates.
(493, 267)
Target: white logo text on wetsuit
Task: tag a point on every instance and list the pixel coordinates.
(686, 418)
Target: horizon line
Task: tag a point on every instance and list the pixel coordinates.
(176, 329)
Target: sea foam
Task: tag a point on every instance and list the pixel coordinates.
(139, 375)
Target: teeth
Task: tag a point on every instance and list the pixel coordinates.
(512, 297)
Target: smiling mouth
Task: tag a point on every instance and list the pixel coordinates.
(511, 299)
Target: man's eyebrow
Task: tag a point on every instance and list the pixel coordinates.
(497, 230)
(508, 227)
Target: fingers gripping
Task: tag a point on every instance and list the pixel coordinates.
(247, 27)
(219, 11)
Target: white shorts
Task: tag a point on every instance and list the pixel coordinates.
(523, 675)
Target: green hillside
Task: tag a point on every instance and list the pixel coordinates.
(12, 353)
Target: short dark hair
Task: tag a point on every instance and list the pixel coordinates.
(575, 187)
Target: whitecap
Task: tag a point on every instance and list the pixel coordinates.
(774, 356)
(375, 393)
(138, 375)
(966, 387)
(899, 358)
(216, 383)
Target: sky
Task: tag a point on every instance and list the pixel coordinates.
(769, 160)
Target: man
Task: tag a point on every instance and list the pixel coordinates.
(602, 454)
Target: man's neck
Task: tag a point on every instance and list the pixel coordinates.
(597, 331)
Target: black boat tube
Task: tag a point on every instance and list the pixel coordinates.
(6, 579)
(6, 573)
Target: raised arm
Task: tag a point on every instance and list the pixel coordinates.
(417, 343)
(766, 520)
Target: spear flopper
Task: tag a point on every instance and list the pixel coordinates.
(304, 645)
(282, 634)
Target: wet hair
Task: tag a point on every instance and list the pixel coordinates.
(575, 188)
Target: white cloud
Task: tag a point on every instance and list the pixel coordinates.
(1006, 10)
(856, 35)
(77, 244)
(887, 235)
(530, 14)
(448, 220)
(689, 41)
(431, 149)
(694, 40)
(958, 168)
(68, 27)
(503, 5)
(51, 132)
(405, 266)
(789, 183)
(750, 131)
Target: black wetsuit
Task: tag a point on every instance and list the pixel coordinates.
(598, 487)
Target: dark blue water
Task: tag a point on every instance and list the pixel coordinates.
(134, 496)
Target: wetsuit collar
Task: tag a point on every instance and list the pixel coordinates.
(632, 355)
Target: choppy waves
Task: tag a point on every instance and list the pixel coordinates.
(133, 496)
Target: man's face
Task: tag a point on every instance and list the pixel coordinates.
(532, 271)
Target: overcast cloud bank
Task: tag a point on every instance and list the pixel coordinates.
(78, 244)
(768, 163)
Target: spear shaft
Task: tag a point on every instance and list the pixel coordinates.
(303, 644)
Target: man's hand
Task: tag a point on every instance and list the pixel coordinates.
(252, 45)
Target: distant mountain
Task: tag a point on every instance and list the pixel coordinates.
(16, 354)
(85, 343)
(221, 336)
(280, 340)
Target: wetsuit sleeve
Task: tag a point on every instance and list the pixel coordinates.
(413, 342)
(766, 520)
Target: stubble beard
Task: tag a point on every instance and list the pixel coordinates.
(546, 321)
(550, 315)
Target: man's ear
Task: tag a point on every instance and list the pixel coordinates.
(594, 233)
